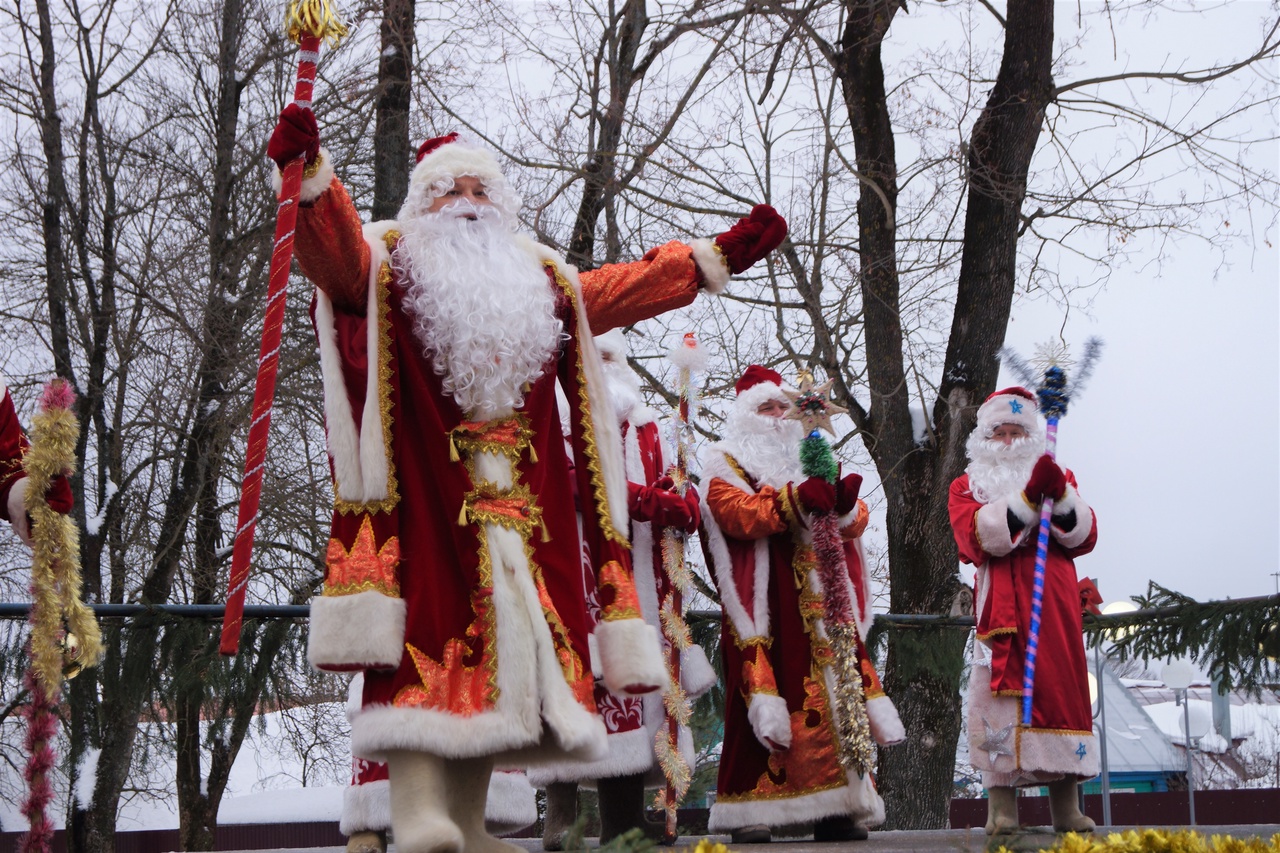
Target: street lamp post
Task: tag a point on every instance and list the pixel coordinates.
(1178, 676)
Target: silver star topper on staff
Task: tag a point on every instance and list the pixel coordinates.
(997, 741)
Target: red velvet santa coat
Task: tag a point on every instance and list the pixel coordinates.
(463, 602)
(13, 445)
(632, 722)
(773, 645)
(1060, 740)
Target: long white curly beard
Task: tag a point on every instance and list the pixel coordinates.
(481, 306)
(997, 470)
(767, 447)
(624, 389)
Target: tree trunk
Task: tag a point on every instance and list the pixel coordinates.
(391, 144)
(599, 188)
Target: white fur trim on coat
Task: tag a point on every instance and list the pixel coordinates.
(715, 272)
(366, 808)
(1040, 755)
(770, 720)
(312, 187)
(360, 465)
(697, 675)
(630, 654)
(604, 421)
(858, 800)
(629, 753)
(536, 717)
(17, 506)
(511, 805)
(992, 522)
(1084, 519)
(747, 624)
(361, 631)
(886, 725)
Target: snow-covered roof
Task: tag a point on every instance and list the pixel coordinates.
(1135, 743)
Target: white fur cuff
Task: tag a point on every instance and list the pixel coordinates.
(1026, 513)
(312, 187)
(992, 522)
(361, 631)
(770, 720)
(697, 676)
(715, 272)
(630, 655)
(511, 805)
(1084, 520)
(17, 506)
(366, 808)
(886, 725)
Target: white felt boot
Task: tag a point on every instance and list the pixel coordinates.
(420, 821)
(467, 792)
(1002, 810)
(1064, 807)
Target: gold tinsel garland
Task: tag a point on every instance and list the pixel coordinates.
(1159, 841)
(315, 18)
(853, 728)
(55, 559)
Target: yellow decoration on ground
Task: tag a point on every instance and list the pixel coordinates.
(1158, 841)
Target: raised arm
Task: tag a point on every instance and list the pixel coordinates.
(328, 244)
(670, 276)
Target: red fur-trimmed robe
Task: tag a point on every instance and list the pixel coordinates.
(773, 645)
(463, 603)
(632, 722)
(1060, 740)
(13, 446)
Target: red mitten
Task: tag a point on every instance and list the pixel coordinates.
(59, 495)
(1046, 481)
(679, 512)
(817, 495)
(752, 238)
(847, 493)
(296, 134)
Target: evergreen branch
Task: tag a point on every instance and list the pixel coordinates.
(1237, 640)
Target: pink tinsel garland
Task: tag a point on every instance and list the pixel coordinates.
(42, 728)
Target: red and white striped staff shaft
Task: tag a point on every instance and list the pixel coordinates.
(268, 355)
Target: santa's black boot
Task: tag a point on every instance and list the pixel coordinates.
(562, 811)
(622, 808)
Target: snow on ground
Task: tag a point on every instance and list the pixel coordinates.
(265, 785)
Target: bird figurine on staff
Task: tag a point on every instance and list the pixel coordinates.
(1047, 373)
(307, 23)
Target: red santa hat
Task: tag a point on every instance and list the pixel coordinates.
(1015, 405)
(758, 385)
(443, 158)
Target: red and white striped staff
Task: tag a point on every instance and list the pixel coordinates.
(308, 22)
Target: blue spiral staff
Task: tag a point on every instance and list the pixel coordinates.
(1053, 395)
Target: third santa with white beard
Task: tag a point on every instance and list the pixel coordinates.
(453, 569)
(779, 765)
(995, 513)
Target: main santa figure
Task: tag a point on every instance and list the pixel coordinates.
(995, 514)
(780, 763)
(453, 573)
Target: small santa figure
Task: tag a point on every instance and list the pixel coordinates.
(995, 513)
